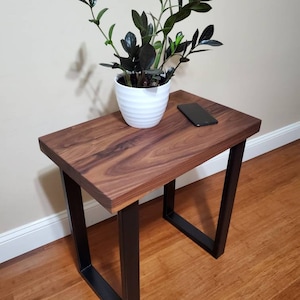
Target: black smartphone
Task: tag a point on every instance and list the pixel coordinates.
(197, 114)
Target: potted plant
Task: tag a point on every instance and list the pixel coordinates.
(144, 65)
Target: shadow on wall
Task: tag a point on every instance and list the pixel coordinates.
(50, 190)
(83, 72)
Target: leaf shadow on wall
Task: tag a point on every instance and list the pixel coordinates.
(50, 189)
(84, 73)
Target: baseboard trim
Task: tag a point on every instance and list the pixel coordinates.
(36, 234)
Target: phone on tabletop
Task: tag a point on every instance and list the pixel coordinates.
(196, 114)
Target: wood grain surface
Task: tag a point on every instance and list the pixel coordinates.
(118, 164)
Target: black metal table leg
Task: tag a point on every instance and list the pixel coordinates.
(214, 247)
(79, 233)
(228, 196)
(128, 219)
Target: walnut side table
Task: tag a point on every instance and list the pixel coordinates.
(117, 165)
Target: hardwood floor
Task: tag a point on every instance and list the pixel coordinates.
(261, 259)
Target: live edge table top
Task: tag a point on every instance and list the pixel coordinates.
(117, 164)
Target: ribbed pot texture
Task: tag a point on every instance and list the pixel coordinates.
(142, 107)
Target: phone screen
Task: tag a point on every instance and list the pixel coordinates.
(197, 114)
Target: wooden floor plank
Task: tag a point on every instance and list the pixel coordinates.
(261, 260)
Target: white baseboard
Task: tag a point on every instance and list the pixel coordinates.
(36, 234)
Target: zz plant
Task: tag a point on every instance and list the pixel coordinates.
(145, 64)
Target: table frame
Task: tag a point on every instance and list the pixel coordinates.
(128, 220)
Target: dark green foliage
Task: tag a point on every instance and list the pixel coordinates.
(144, 63)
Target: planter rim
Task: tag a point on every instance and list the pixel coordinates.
(140, 88)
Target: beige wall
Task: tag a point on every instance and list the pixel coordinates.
(44, 42)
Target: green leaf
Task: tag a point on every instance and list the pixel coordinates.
(179, 37)
(207, 33)
(130, 39)
(101, 13)
(137, 20)
(147, 35)
(201, 7)
(129, 44)
(127, 63)
(182, 14)
(172, 46)
(94, 21)
(147, 56)
(198, 6)
(202, 50)
(85, 2)
(195, 38)
(110, 32)
(169, 24)
(157, 45)
(92, 3)
(182, 47)
(113, 65)
(179, 16)
(144, 20)
(213, 43)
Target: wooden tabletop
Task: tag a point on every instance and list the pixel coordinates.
(117, 164)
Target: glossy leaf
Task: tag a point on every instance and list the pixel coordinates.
(202, 50)
(195, 38)
(147, 56)
(207, 33)
(129, 43)
(211, 43)
(93, 3)
(84, 1)
(127, 64)
(146, 36)
(182, 47)
(143, 59)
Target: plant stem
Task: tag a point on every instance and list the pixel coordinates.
(170, 6)
(126, 75)
(158, 57)
(104, 35)
(180, 62)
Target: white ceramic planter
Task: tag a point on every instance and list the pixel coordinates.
(142, 107)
